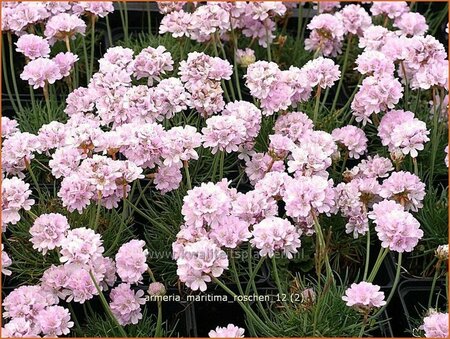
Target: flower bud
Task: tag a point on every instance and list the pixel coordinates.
(156, 289)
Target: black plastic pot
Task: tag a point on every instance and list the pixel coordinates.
(413, 296)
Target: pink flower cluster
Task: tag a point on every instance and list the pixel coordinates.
(254, 19)
(352, 139)
(231, 331)
(277, 90)
(15, 197)
(22, 17)
(435, 325)
(201, 75)
(131, 261)
(48, 231)
(126, 304)
(327, 33)
(33, 311)
(364, 296)
(402, 131)
(274, 234)
(6, 262)
(397, 229)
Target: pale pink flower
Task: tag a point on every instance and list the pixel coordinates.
(201, 260)
(64, 25)
(352, 139)
(254, 206)
(231, 331)
(15, 196)
(397, 229)
(126, 304)
(321, 72)
(177, 23)
(392, 9)
(207, 204)
(65, 62)
(364, 296)
(249, 115)
(375, 95)
(435, 325)
(354, 18)
(54, 321)
(405, 188)
(26, 302)
(411, 23)
(97, 8)
(306, 195)
(80, 246)
(33, 46)
(327, 32)
(20, 328)
(18, 151)
(76, 192)
(40, 71)
(223, 133)
(274, 234)
(168, 178)
(231, 232)
(9, 127)
(374, 38)
(400, 130)
(151, 63)
(181, 143)
(48, 231)
(294, 125)
(6, 262)
(374, 63)
(131, 261)
(373, 167)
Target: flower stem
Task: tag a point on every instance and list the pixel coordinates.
(108, 30)
(47, 102)
(253, 272)
(13, 73)
(381, 255)
(316, 107)
(33, 177)
(159, 331)
(322, 246)
(269, 52)
(106, 306)
(252, 316)
(236, 69)
(366, 267)
(277, 277)
(394, 286)
(222, 161)
(433, 284)
(344, 69)
(67, 41)
(5, 77)
(97, 214)
(91, 66)
(188, 176)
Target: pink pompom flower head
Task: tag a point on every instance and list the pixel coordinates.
(41, 71)
(64, 26)
(231, 331)
(364, 296)
(33, 46)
